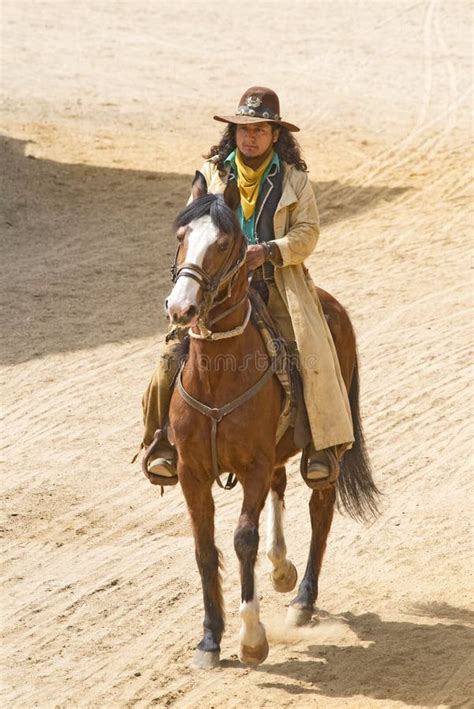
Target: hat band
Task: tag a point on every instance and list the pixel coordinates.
(260, 112)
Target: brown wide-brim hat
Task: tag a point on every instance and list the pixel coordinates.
(258, 105)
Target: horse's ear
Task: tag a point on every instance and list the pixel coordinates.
(232, 194)
(199, 188)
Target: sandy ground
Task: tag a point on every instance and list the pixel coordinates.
(106, 111)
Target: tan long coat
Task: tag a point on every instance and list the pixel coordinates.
(296, 227)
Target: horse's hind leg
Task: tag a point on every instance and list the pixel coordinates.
(321, 507)
(201, 508)
(284, 573)
(253, 640)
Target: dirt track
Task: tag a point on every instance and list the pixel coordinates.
(106, 111)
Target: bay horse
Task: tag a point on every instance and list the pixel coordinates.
(226, 421)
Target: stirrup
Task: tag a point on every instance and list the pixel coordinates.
(326, 482)
(154, 478)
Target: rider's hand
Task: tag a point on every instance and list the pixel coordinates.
(255, 256)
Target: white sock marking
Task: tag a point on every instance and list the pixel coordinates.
(276, 547)
(252, 632)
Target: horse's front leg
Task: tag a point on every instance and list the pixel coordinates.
(284, 574)
(321, 509)
(253, 639)
(201, 508)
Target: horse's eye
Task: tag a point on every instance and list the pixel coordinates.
(223, 244)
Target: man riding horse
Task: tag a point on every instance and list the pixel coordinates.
(279, 218)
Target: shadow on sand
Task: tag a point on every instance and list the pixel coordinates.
(414, 663)
(86, 250)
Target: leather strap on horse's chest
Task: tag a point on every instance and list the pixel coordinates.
(217, 414)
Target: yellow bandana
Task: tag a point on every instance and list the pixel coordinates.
(248, 182)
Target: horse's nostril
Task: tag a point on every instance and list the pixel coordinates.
(166, 304)
(191, 311)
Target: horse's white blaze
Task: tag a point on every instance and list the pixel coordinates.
(252, 632)
(202, 234)
(276, 547)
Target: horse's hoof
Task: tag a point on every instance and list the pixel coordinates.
(296, 617)
(205, 660)
(284, 579)
(253, 656)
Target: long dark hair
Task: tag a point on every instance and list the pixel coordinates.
(286, 147)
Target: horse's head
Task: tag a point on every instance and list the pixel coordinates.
(210, 253)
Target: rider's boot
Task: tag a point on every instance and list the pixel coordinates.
(160, 456)
(163, 462)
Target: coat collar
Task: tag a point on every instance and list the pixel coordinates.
(288, 195)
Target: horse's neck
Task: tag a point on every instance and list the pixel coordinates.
(226, 364)
(218, 371)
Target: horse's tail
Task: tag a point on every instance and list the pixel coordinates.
(357, 492)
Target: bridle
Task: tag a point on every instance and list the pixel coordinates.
(211, 285)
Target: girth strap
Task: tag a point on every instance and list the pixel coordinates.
(217, 414)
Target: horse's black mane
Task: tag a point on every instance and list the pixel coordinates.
(222, 216)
